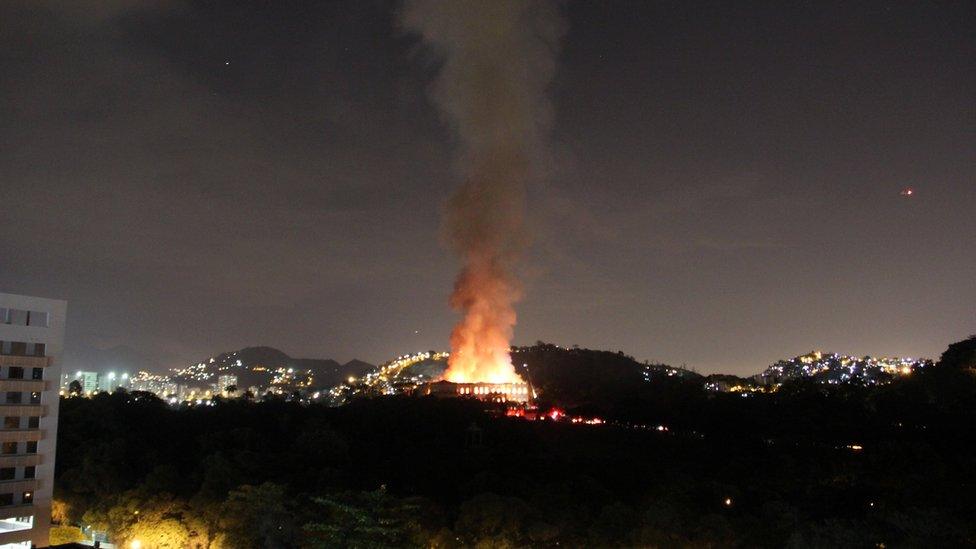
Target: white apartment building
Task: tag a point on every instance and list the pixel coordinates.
(223, 382)
(31, 340)
(89, 381)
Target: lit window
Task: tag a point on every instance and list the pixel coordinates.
(16, 524)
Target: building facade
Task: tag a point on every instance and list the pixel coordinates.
(113, 381)
(31, 341)
(89, 382)
(223, 382)
(495, 392)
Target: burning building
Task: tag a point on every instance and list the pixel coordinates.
(495, 62)
(495, 392)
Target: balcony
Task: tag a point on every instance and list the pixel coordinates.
(24, 385)
(19, 485)
(26, 409)
(15, 524)
(19, 460)
(17, 510)
(21, 435)
(25, 361)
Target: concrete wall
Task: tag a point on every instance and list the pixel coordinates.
(52, 336)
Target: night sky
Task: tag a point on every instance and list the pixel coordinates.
(195, 177)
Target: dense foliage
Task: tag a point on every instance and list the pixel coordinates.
(809, 465)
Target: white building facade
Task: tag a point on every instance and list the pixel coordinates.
(31, 343)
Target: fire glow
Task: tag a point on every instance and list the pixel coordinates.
(480, 341)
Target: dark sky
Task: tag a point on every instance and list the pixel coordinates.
(195, 177)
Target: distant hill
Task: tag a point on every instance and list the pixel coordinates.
(565, 377)
(587, 378)
(266, 366)
(356, 367)
(606, 382)
(833, 368)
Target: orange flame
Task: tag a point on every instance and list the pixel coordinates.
(480, 341)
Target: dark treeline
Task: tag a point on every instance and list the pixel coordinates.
(809, 465)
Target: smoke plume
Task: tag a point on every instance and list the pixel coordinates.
(497, 60)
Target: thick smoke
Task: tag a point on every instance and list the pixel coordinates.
(498, 57)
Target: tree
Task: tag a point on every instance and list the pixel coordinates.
(162, 533)
(258, 516)
(59, 511)
(62, 534)
(74, 388)
(493, 520)
(156, 520)
(960, 355)
(367, 519)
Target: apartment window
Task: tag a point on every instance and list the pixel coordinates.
(37, 318)
(17, 317)
(11, 422)
(4, 315)
(28, 497)
(30, 471)
(8, 448)
(18, 348)
(31, 447)
(7, 473)
(33, 422)
(15, 372)
(39, 349)
(36, 397)
(14, 397)
(5, 347)
(6, 499)
(37, 373)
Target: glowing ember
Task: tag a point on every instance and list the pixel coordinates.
(556, 414)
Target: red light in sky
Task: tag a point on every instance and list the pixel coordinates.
(907, 191)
